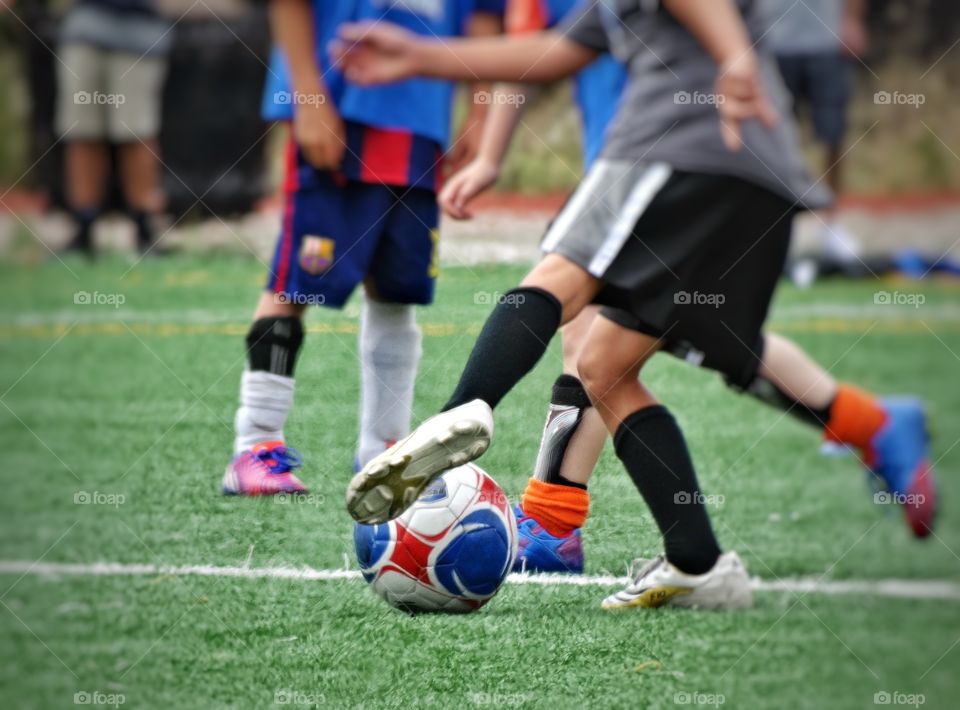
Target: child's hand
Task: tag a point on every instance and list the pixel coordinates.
(465, 185)
(375, 52)
(467, 143)
(741, 97)
(319, 132)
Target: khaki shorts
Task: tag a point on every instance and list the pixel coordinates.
(107, 95)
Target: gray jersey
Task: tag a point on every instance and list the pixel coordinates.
(668, 112)
(808, 27)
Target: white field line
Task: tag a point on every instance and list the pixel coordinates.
(897, 588)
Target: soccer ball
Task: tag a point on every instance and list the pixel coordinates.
(450, 551)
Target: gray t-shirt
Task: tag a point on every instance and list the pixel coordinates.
(668, 112)
(807, 27)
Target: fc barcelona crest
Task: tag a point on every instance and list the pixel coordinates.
(316, 254)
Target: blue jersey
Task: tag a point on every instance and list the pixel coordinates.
(597, 87)
(277, 103)
(418, 106)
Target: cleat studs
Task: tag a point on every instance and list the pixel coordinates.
(477, 449)
(465, 427)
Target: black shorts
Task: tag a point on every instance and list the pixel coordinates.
(824, 82)
(690, 258)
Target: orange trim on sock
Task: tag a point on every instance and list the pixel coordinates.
(559, 509)
(266, 445)
(855, 418)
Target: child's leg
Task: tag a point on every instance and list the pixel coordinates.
(649, 442)
(266, 387)
(889, 435)
(389, 354)
(573, 437)
(788, 377)
(513, 340)
(519, 329)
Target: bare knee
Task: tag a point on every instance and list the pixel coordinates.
(597, 373)
(574, 336)
(570, 284)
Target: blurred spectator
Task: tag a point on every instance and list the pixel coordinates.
(816, 42)
(110, 76)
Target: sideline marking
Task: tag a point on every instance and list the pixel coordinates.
(896, 588)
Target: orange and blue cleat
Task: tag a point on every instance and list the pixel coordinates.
(899, 458)
(540, 551)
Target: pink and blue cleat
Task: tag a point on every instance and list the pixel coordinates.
(540, 551)
(264, 470)
(899, 456)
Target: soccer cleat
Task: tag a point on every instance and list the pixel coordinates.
(540, 551)
(658, 583)
(264, 470)
(391, 482)
(899, 457)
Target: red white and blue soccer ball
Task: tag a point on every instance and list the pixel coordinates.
(450, 551)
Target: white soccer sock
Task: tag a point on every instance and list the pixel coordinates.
(389, 354)
(265, 402)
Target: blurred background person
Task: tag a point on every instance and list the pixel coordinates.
(816, 43)
(113, 60)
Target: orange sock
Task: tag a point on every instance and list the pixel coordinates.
(855, 417)
(559, 509)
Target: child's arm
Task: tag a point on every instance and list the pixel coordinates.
(504, 115)
(853, 29)
(317, 127)
(379, 53)
(467, 143)
(718, 26)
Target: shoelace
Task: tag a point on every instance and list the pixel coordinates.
(281, 459)
(642, 566)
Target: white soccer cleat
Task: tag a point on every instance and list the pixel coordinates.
(839, 243)
(658, 583)
(391, 482)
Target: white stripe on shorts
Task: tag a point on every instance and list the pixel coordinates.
(637, 201)
(574, 208)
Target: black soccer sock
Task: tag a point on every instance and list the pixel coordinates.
(769, 393)
(82, 239)
(144, 228)
(652, 448)
(273, 344)
(513, 339)
(568, 402)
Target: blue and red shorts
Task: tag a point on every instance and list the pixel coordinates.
(339, 230)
